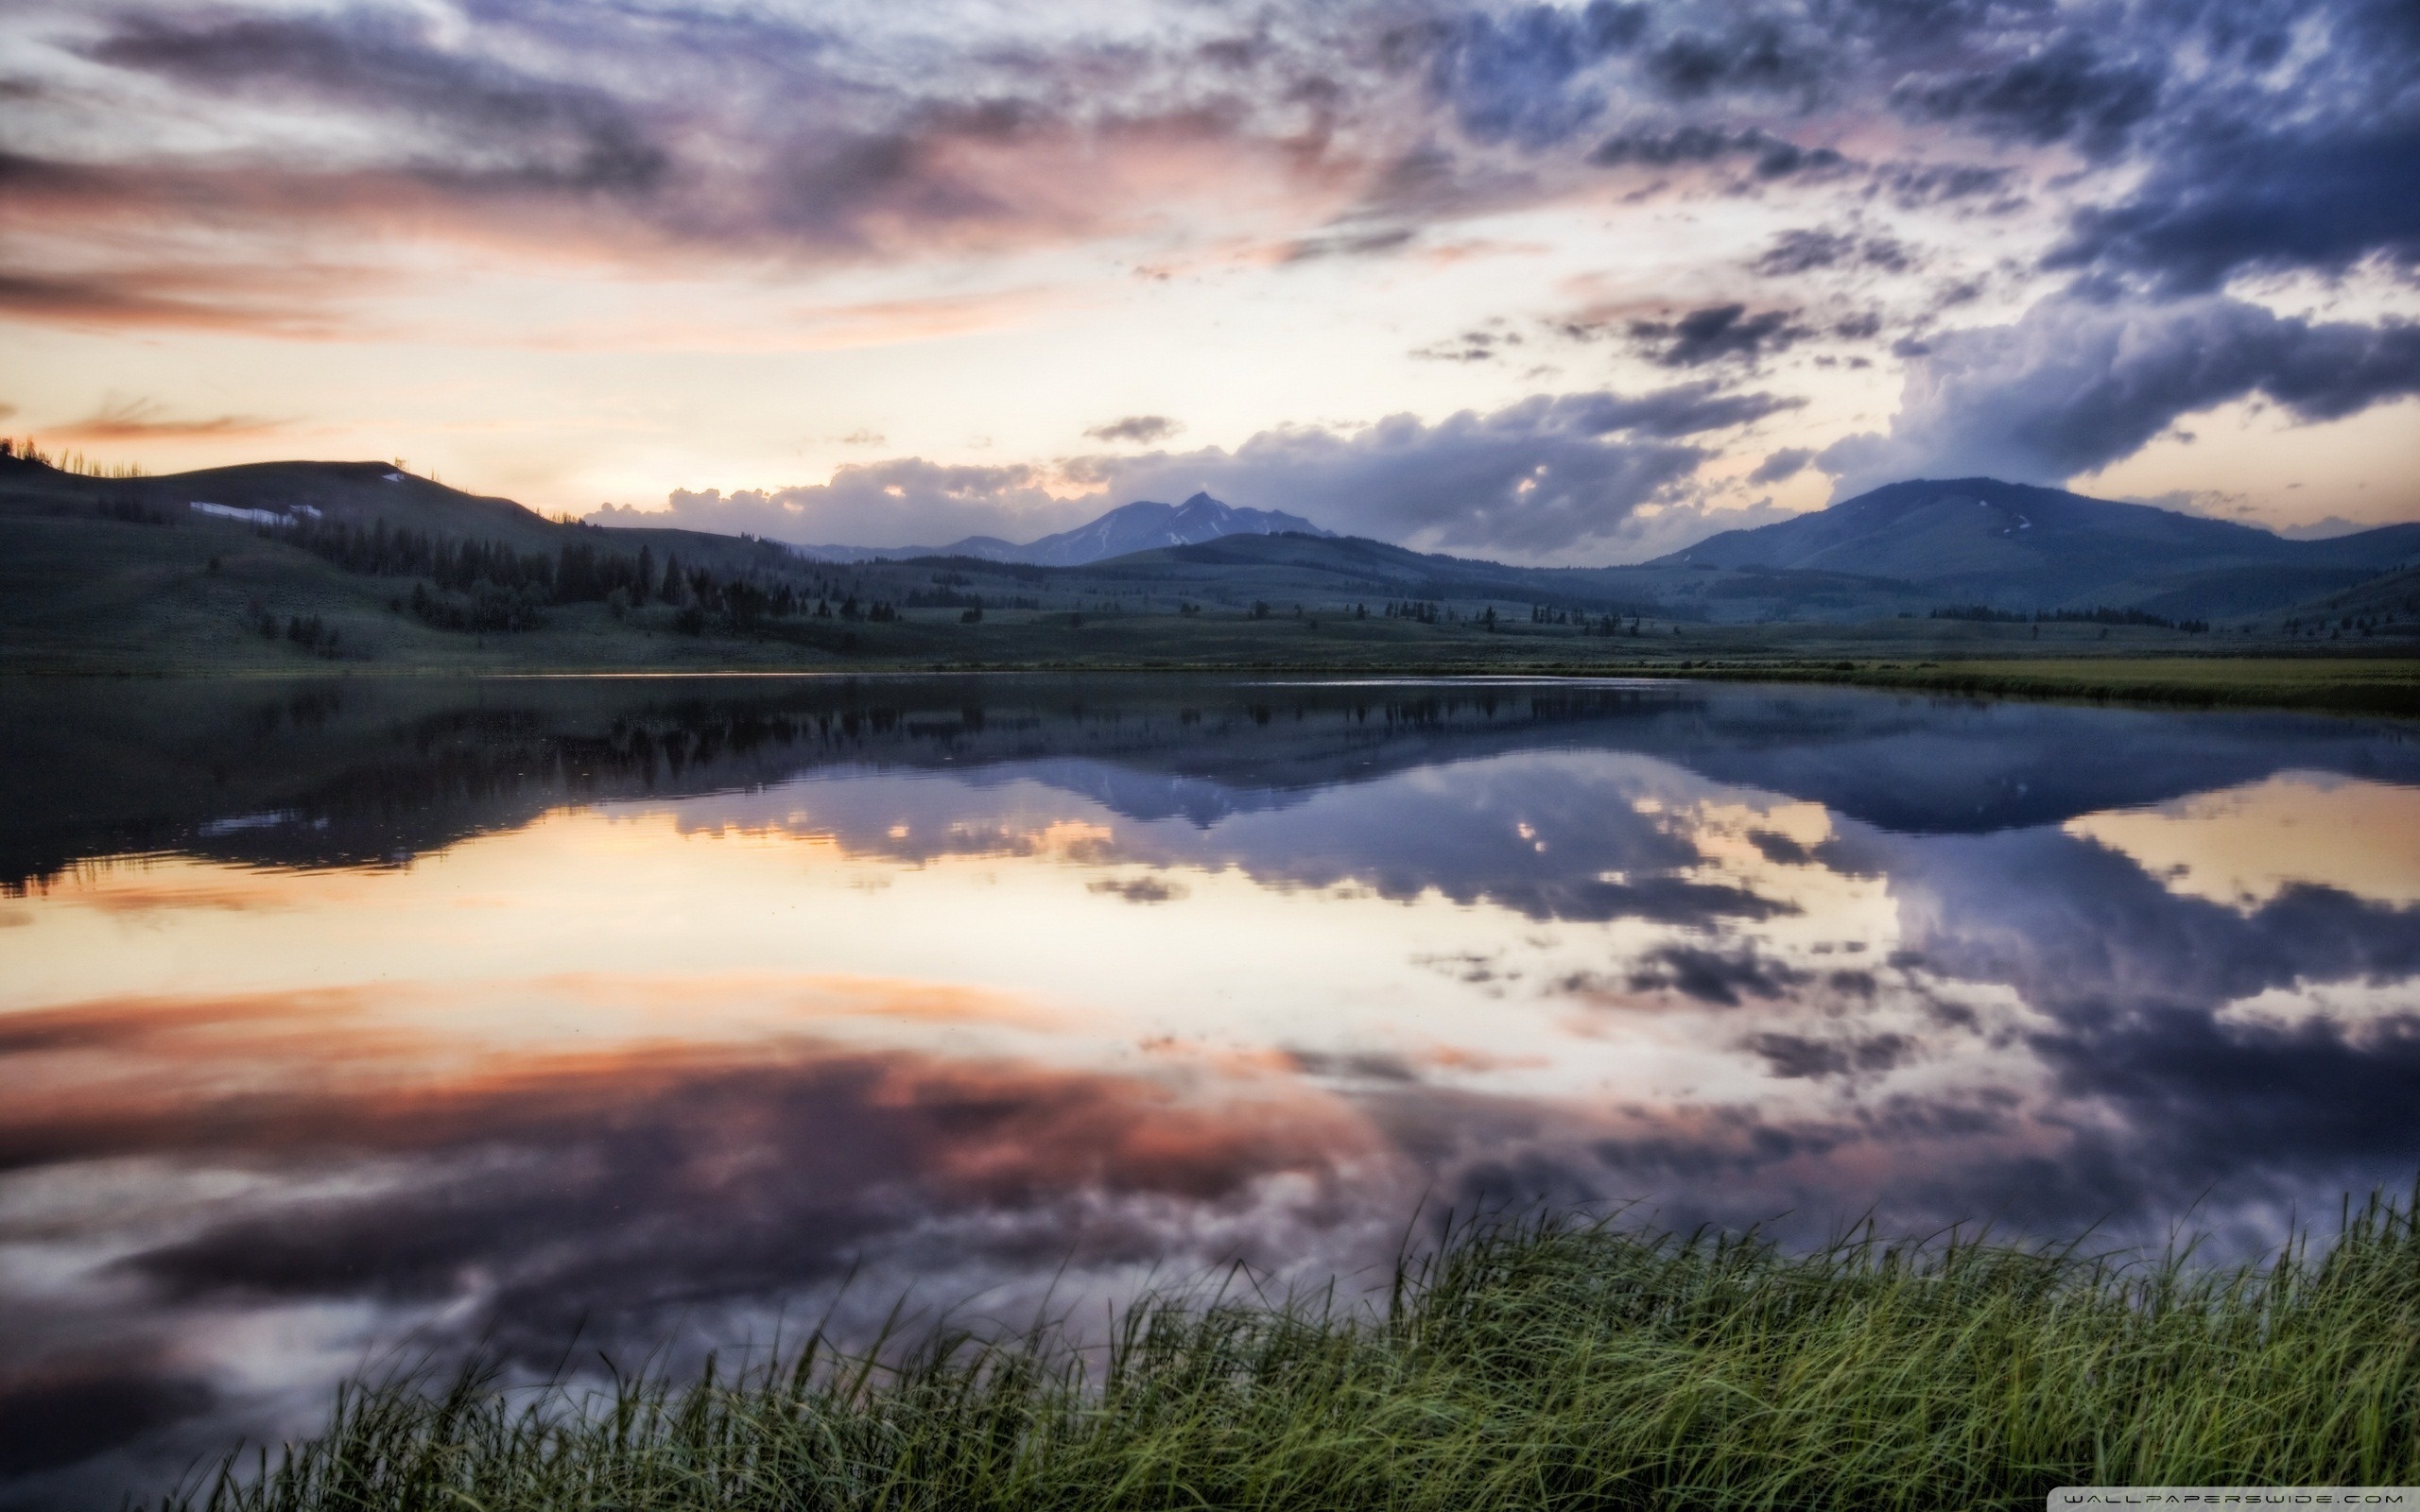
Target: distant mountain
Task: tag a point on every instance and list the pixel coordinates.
(2014, 546)
(1143, 526)
(81, 570)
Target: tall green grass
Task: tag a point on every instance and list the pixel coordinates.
(1543, 1364)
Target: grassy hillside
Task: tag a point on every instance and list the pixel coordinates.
(2386, 607)
(2020, 547)
(123, 575)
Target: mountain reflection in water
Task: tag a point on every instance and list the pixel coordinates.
(342, 1016)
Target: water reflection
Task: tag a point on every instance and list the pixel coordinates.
(338, 1015)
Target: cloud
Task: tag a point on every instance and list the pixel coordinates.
(1547, 476)
(2240, 201)
(2164, 151)
(902, 501)
(131, 420)
(1786, 463)
(1914, 185)
(1142, 429)
(1470, 346)
(2066, 91)
(159, 298)
(1543, 479)
(648, 138)
(506, 125)
(1716, 334)
(1756, 55)
(653, 137)
(1711, 977)
(1694, 144)
(656, 131)
(1809, 250)
(2075, 384)
(1509, 77)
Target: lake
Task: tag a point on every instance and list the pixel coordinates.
(352, 1023)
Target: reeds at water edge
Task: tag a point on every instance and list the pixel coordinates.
(1542, 1363)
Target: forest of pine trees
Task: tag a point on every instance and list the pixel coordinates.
(488, 586)
(2102, 615)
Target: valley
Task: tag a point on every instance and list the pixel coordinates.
(371, 571)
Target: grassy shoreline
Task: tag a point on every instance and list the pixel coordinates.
(2373, 684)
(1540, 1364)
(2341, 685)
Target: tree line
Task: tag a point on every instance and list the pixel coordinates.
(2099, 615)
(491, 586)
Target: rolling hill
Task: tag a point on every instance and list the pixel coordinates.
(277, 564)
(2018, 547)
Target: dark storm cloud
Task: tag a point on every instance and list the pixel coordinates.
(2067, 90)
(2292, 146)
(2237, 201)
(1716, 334)
(2078, 384)
(1720, 977)
(1754, 54)
(1794, 1056)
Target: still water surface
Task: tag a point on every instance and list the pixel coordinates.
(641, 1014)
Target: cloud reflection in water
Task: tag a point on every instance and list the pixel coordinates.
(676, 1066)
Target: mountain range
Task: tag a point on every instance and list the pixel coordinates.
(1903, 548)
(1143, 526)
(190, 567)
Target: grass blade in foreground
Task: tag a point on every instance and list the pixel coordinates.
(1539, 1364)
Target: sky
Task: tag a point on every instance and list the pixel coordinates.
(1544, 283)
